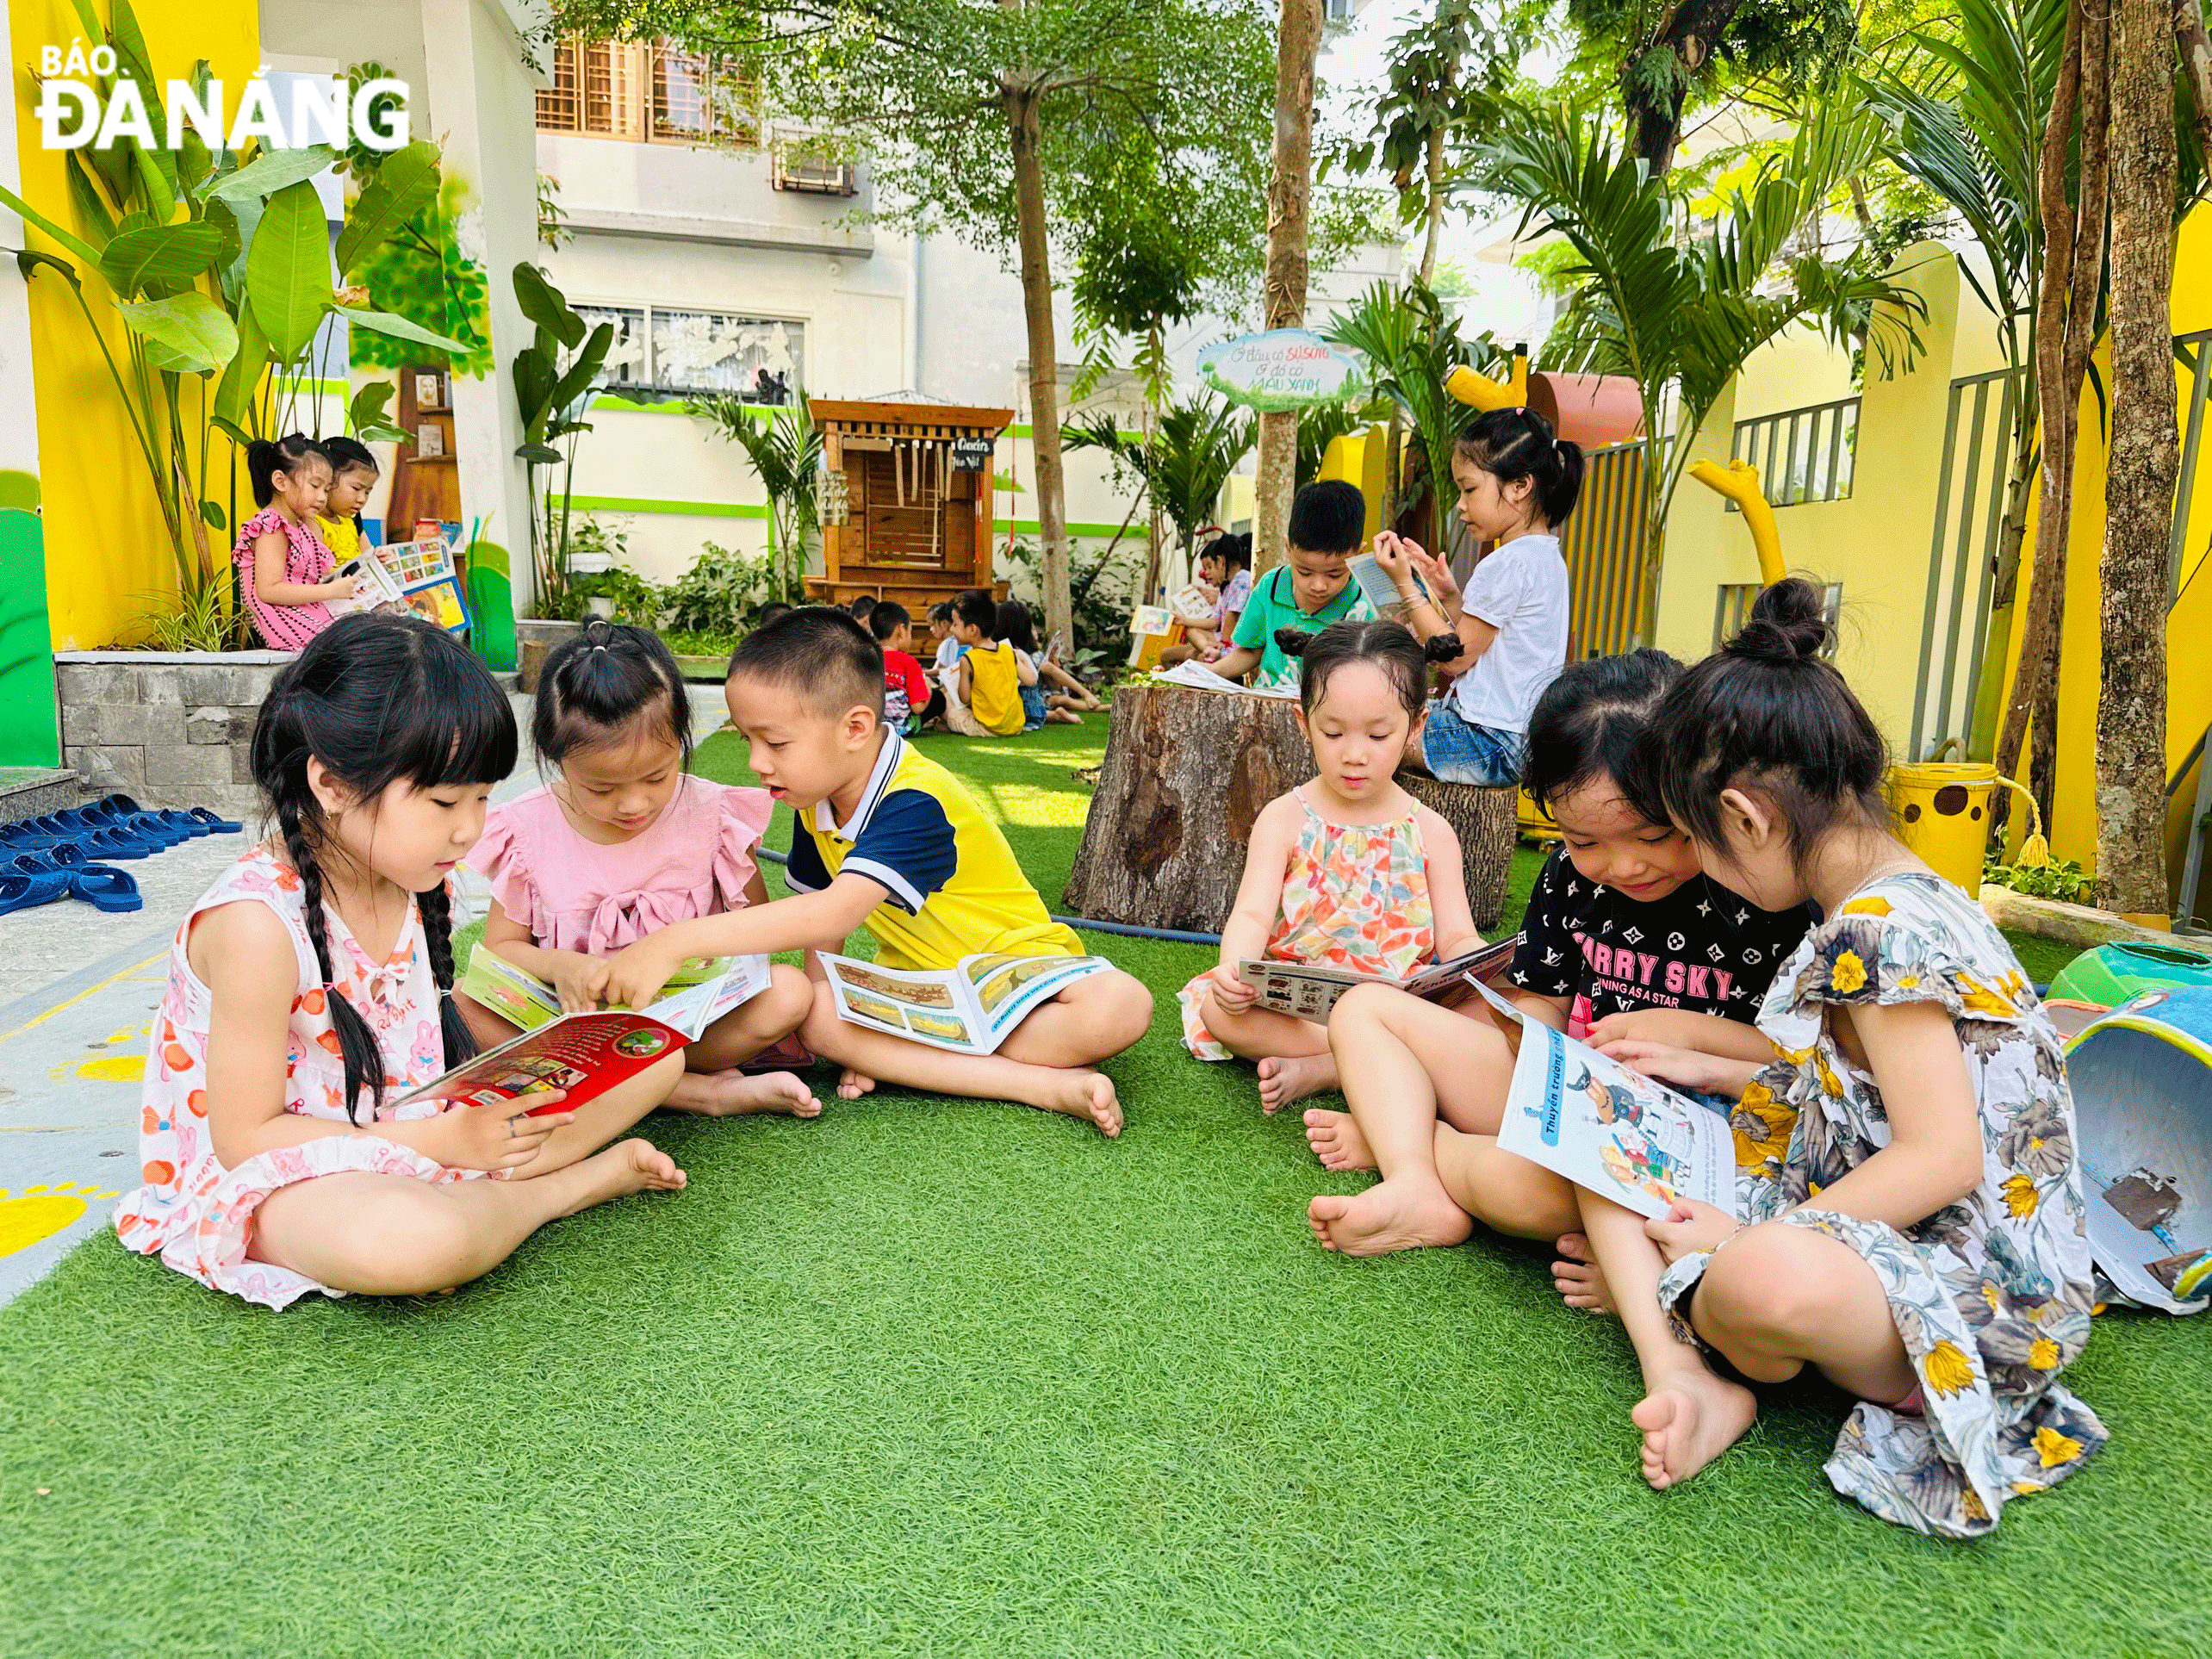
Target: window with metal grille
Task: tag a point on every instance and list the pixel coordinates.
(1732, 609)
(677, 352)
(632, 90)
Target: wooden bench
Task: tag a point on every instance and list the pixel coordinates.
(1186, 773)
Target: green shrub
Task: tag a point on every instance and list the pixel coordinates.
(721, 594)
(2061, 879)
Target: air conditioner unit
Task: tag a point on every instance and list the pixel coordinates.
(808, 167)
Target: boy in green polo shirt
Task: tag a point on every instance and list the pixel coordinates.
(1312, 589)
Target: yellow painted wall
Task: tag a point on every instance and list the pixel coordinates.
(1875, 542)
(108, 555)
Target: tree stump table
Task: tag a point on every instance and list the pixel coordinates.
(1188, 771)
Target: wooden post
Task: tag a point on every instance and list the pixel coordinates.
(1186, 774)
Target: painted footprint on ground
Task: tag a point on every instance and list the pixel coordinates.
(38, 1212)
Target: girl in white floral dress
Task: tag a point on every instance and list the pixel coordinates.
(1908, 1179)
(309, 985)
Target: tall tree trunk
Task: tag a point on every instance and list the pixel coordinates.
(1394, 444)
(1298, 41)
(2040, 627)
(1021, 117)
(2131, 707)
(1689, 30)
(2195, 66)
(1435, 209)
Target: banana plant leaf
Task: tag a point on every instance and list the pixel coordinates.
(194, 333)
(143, 260)
(288, 268)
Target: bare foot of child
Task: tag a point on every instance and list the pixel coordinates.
(852, 1085)
(1393, 1216)
(625, 1167)
(1689, 1423)
(1084, 1094)
(1337, 1141)
(1576, 1276)
(1064, 718)
(733, 1094)
(1282, 1081)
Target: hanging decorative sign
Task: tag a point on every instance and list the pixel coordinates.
(1283, 369)
(972, 454)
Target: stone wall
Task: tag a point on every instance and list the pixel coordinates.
(170, 730)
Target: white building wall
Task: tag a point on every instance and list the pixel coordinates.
(686, 227)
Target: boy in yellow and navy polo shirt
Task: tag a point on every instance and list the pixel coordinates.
(888, 840)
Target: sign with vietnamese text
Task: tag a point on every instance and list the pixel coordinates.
(1283, 369)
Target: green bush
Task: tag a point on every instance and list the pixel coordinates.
(721, 594)
(2061, 879)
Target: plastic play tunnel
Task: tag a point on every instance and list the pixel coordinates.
(1942, 814)
(2142, 1090)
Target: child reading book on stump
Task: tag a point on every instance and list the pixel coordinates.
(1311, 589)
(888, 840)
(1348, 870)
(1626, 944)
(624, 841)
(307, 993)
(1912, 1223)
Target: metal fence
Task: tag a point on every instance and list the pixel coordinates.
(1969, 503)
(1803, 455)
(1603, 543)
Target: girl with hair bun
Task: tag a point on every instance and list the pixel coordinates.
(625, 841)
(285, 570)
(1518, 481)
(1913, 1229)
(1348, 871)
(310, 985)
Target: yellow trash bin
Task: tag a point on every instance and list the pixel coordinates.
(1942, 814)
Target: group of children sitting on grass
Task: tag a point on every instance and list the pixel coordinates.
(1728, 911)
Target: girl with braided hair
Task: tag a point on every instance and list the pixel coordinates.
(310, 985)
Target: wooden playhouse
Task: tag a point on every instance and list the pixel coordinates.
(906, 507)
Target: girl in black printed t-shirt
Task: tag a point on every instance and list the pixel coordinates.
(1630, 947)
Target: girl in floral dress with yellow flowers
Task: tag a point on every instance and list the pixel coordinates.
(1347, 870)
(1920, 1241)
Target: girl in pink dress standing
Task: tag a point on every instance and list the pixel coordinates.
(307, 990)
(622, 842)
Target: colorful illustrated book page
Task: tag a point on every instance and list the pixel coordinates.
(968, 1008)
(1610, 1130)
(1309, 991)
(585, 1053)
(1381, 589)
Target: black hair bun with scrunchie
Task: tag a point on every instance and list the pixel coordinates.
(1788, 623)
(1292, 642)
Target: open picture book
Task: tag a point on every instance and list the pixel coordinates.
(586, 1053)
(404, 578)
(968, 1008)
(1309, 991)
(1199, 677)
(1612, 1131)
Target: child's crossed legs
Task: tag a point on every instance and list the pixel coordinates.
(392, 1235)
(1293, 1054)
(1044, 1062)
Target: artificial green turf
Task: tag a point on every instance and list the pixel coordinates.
(929, 1376)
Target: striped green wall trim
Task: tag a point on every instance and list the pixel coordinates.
(1030, 527)
(616, 404)
(675, 509)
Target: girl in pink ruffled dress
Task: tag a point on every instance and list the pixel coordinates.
(623, 842)
(307, 992)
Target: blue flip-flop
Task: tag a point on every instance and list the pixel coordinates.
(155, 831)
(114, 843)
(36, 867)
(104, 888)
(22, 890)
(216, 824)
(184, 821)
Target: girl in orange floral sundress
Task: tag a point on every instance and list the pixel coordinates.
(310, 986)
(1347, 870)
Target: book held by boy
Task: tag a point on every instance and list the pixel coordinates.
(1610, 1130)
(1308, 991)
(968, 1008)
(1198, 677)
(586, 1053)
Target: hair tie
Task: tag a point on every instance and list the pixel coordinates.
(599, 648)
(1520, 408)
